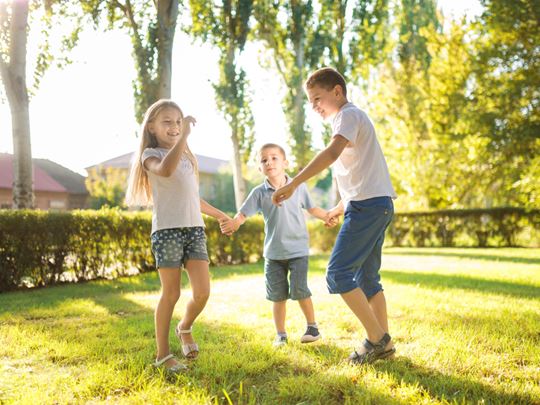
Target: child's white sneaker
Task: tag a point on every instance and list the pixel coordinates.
(312, 334)
(280, 340)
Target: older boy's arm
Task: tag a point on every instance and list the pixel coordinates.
(320, 162)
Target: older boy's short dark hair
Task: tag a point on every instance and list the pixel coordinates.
(272, 145)
(327, 78)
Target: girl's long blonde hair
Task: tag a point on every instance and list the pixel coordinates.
(139, 192)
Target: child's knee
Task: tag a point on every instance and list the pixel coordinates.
(201, 297)
(371, 288)
(339, 282)
(171, 296)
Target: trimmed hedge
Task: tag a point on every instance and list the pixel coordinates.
(39, 248)
(493, 227)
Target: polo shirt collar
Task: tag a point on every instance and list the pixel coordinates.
(268, 186)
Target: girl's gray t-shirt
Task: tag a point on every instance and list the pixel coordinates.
(176, 198)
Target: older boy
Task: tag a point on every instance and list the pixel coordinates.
(366, 191)
(286, 243)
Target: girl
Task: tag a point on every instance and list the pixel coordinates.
(165, 174)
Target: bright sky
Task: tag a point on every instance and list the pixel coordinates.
(83, 114)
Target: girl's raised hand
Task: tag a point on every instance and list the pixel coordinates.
(186, 124)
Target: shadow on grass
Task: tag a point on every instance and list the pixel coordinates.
(312, 374)
(230, 357)
(255, 373)
(462, 254)
(445, 387)
(441, 281)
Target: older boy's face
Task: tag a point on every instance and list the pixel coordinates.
(325, 102)
(272, 162)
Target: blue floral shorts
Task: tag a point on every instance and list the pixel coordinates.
(173, 247)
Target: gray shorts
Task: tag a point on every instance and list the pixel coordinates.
(173, 247)
(277, 282)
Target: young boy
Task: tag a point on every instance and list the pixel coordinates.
(366, 191)
(286, 243)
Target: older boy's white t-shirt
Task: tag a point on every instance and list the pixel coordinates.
(176, 198)
(361, 171)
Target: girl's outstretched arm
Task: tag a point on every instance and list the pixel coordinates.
(212, 211)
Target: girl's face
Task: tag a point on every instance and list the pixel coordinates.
(166, 127)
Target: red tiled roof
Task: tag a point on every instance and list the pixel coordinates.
(42, 181)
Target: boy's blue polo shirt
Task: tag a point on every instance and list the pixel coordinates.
(285, 230)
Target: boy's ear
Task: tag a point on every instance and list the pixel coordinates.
(286, 163)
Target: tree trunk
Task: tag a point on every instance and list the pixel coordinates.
(301, 139)
(167, 13)
(14, 79)
(239, 182)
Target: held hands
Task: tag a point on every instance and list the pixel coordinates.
(228, 226)
(330, 220)
(332, 217)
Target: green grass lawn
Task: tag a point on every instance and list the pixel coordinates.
(466, 324)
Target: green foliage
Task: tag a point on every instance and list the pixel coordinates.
(151, 26)
(355, 35)
(226, 27)
(457, 110)
(107, 187)
(506, 99)
(289, 29)
(41, 248)
(244, 246)
(496, 227)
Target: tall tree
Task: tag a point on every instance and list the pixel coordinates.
(152, 26)
(226, 27)
(506, 97)
(290, 30)
(14, 27)
(355, 36)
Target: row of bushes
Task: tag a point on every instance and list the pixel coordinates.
(490, 227)
(39, 248)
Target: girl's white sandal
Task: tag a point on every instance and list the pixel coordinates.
(177, 368)
(190, 350)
